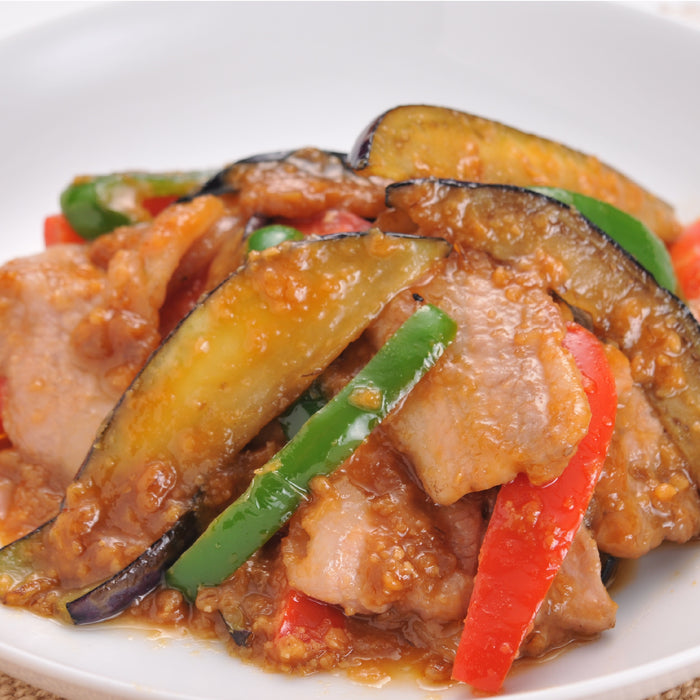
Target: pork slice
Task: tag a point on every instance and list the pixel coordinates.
(368, 541)
(577, 604)
(645, 494)
(78, 324)
(505, 398)
(52, 405)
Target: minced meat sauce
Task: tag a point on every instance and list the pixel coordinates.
(386, 548)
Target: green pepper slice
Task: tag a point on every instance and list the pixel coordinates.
(325, 441)
(273, 235)
(98, 204)
(630, 233)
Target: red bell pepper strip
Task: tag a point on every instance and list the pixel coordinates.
(58, 230)
(155, 205)
(685, 255)
(326, 223)
(530, 532)
(331, 221)
(308, 619)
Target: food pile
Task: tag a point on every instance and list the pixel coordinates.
(409, 404)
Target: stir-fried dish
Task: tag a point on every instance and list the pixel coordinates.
(408, 405)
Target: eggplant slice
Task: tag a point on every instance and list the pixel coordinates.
(138, 578)
(414, 141)
(244, 353)
(652, 327)
(272, 184)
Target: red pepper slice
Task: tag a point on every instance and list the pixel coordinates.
(155, 205)
(308, 619)
(58, 230)
(331, 221)
(530, 532)
(685, 255)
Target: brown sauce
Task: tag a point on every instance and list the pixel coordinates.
(420, 555)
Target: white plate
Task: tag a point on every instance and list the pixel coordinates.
(187, 85)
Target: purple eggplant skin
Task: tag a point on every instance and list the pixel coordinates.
(220, 183)
(609, 567)
(279, 156)
(358, 157)
(137, 579)
(239, 636)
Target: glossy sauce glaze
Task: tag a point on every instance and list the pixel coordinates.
(374, 572)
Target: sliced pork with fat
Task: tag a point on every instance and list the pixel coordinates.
(505, 398)
(369, 540)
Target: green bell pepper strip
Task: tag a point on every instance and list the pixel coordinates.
(324, 442)
(272, 235)
(99, 204)
(630, 233)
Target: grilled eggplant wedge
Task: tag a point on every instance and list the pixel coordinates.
(243, 354)
(623, 303)
(139, 577)
(420, 141)
(297, 183)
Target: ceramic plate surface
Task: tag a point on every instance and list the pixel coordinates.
(155, 86)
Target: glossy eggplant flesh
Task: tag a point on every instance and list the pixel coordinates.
(271, 185)
(137, 579)
(244, 353)
(652, 327)
(413, 141)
